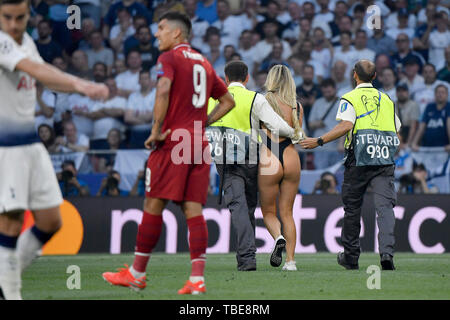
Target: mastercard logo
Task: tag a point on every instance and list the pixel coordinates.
(69, 238)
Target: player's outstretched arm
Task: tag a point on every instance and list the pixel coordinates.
(226, 103)
(57, 80)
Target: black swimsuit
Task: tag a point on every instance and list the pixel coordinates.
(271, 144)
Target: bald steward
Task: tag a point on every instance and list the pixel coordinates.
(365, 70)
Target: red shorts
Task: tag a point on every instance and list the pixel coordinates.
(176, 182)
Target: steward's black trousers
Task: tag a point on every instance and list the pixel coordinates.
(381, 181)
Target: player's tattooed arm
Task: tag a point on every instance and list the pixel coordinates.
(226, 103)
(159, 112)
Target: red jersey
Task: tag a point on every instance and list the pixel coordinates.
(194, 81)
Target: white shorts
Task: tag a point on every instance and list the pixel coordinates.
(27, 179)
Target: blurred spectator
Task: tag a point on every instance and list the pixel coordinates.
(291, 30)
(58, 15)
(132, 6)
(381, 42)
(121, 31)
(382, 61)
(132, 41)
(114, 142)
(61, 103)
(327, 184)
(128, 82)
(139, 112)
(90, 9)
(81, 42)
(434, 128)
(305, 32)
(404, 53)
(199, 25)
(108, 114)
(230, 26)
(110, 185)
(251, 14)
(402, 26)
(444, 73)
(322, 119)
(425, 94)
(416, 182)
(100, 72)
(207, 10)
(423, 16)
(401, 11)
(80, 108)
(72, 141)
(272, 14)
(47, 136)
(344, 25)
(47, 47)
(322, 51)
(228, 51)
(308, 92)
(438, 40)
(138, 188)
(69, 183)
(45, 106)
(305, 53)
(98, 52)
(213, 50)
(411, 74)
(260, 80)
(340, 10)
(79, 65)
(119, 67)
(322, 18)
(297, 69)
(149, 54)
(282, 11)
(247, 50)
(339, 75)
(388, 80)
(264, 47)
(408, 112)
(362, 52)
(345, 52)
(275, 57)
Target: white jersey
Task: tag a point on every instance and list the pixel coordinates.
(17, 92)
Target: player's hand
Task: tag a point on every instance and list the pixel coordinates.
(309, 143)
(154, 137)
(95, 91)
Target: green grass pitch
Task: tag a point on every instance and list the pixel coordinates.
(318, 277)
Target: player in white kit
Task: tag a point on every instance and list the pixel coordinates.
(27, 179)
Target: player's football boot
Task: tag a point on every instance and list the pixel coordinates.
(124, 278)
(193, 288)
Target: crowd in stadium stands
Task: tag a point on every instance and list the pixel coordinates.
(318, 40)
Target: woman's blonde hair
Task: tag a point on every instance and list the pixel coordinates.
(280, 86)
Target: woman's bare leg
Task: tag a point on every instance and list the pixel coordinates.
(268, 185)
(288, 191)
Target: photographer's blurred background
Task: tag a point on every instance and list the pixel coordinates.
(318, 40)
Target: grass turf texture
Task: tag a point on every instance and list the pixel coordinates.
(318, 277)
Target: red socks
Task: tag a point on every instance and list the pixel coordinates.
(148, 235)
(198, 242)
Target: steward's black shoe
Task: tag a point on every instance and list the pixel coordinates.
(343, 262)
(276, 257)
(2, 297)
(387, 262)
(247, 267)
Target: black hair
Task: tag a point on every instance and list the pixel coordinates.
(179, 17)
(2, 2)
(236, 71)
(328, 83)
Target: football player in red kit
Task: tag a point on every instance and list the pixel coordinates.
(186, 80)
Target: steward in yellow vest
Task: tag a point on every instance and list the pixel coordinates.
(234, 142)
(368, 118)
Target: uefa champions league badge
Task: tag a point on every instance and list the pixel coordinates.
(159, 69)
(5, 47)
